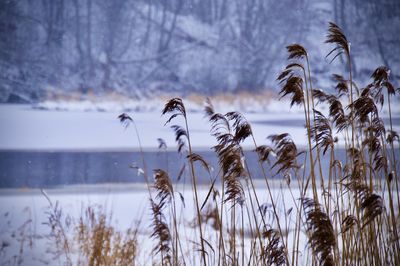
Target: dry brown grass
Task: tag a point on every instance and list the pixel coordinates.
(90, 240)
(101, 244)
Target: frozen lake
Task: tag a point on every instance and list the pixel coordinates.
(47, 148)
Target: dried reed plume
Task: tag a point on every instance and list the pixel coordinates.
(319, 95)
(373, 134)
(180, 136)
(290, 78)
(274, 251)
(286, 151)
(337, 37)
(392, 136)
(174, 106)
(263, 152)
(336, 112)
(341, 85)
(161, 232)
(322, 132)
(381, 80)
(240, 125)
(125, 119)
(194, 157)
(296, 51)
(363, 107)
(228, 150)
(320, 232)
(355, 172)
(233, 170)
(380, 75)
(163, 185)
(371, 203)
(293, 85)
(348, 222)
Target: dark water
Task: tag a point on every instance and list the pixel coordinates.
(48, 169)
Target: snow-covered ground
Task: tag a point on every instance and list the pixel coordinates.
(26, 128)
(25, 212)
(26, 239)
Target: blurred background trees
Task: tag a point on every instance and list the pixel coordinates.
(139, 48)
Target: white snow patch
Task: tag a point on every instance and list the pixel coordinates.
(24, 128)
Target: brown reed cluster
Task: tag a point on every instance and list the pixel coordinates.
(344, 212)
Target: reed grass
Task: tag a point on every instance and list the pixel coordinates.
(91, 239)
(348, 217)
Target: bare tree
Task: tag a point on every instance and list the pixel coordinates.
(263, 29)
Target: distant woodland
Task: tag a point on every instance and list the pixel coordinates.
(140, 47)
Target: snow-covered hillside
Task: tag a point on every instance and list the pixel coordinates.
(142, 48)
